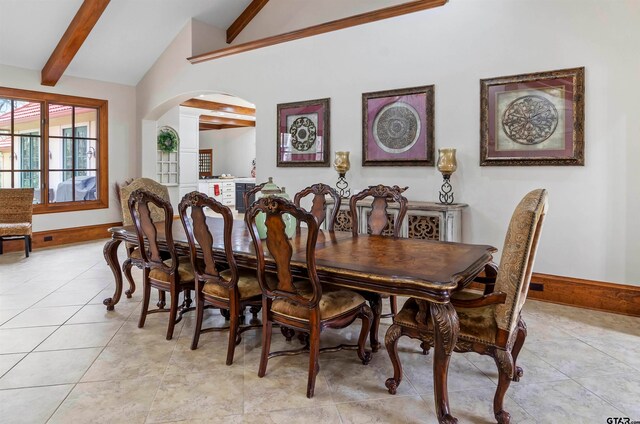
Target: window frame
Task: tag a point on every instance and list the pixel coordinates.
(102, 173)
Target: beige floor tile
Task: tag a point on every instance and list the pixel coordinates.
(78, 336)
(623, 347)
(535, 369)
(80, 298)
(284, 389)
(8, 361)
(98, 313)
(577, 359)
(125, 401)
(16, 340)
(323, 414)
(48, 368)
(20, 300)
(392, 410)
(42, 316)
(122, 362)
(476, 406)
(211, 353)
(621, 390)
(198, 396)
(7, 314)
(83, 283)
(562, 402)
(32, 405)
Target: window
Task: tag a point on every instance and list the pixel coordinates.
(57, 145)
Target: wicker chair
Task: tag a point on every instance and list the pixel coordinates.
(133, 253)
(300, 304)
(16, 210)
(489, 324)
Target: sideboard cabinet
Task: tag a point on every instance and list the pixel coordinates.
(424, 220)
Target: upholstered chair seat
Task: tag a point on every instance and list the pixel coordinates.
(185, 270)
(334, 302)
(248, 285)
(17, 229)
(135, 254)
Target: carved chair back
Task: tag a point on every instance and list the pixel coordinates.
(146, 184)
(16, 205)
(141, 203)
(280, 249)
(378, 217)
(319, 203)
(246, 197)
(518, 256)
(197, 231)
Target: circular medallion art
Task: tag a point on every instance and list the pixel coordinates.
(303, 133)
(397, 127)
(530, 120)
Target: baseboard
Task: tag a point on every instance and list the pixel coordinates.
(621, 299)
(62, 236)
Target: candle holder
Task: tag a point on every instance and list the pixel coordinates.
(447, 165)
(341, 164)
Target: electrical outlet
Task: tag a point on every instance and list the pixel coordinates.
(48, 238)
(536, 287)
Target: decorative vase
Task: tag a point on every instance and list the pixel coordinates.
(271, 189)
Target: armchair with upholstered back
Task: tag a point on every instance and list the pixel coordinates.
(378, 224)
(16, 210)
(133, 254)
(319, 203)
(490, 324)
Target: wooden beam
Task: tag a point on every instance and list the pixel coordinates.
(363, 18)
(78, 30)
(219, 120)
(219, 107)
(243, 20)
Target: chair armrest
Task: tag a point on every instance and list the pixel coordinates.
(488, 277)
(495, 298)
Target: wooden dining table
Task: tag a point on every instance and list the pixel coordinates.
(429, 271)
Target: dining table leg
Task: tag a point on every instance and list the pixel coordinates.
(111, 256)
(446, 327)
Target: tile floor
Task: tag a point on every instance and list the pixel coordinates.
(65, 359)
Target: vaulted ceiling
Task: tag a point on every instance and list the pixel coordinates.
(123, 44)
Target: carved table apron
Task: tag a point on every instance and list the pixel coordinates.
(426, 270)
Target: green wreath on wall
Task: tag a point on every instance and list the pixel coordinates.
(168, 139)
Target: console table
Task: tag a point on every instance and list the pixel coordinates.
(424, 220)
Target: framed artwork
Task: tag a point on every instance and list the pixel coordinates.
(533, 119)
(303, 133)
(397, 127)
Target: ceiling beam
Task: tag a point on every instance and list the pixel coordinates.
(78, 30)
(363, 18)
(219, 107)
(219, 120)
(243, 20)
(206, 127)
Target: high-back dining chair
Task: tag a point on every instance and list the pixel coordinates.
(490, 324)
(301, 304)
(378, 224)
(175, 274)
(133, 253)
(248, 194)
(319, 203)
(231, 289)
(16, 211)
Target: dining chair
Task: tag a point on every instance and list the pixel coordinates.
(175, 274)
(379, 222)
(490, 324)
(133, 253)
(301, 304)
(232, 289)
(319, 203)
(16, 211)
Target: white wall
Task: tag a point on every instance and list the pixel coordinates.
(123, 159)
(591, 231)
(233, 150)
